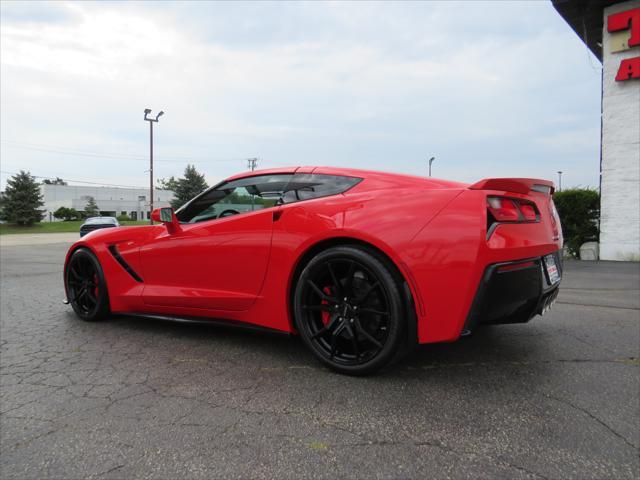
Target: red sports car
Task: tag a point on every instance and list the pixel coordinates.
(362, 265)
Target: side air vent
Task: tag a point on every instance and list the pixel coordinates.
(114, 251)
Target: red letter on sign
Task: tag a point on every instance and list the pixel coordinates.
(629, 68)
(621, 21)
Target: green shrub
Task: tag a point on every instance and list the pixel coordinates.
(67, 214)
(579, 210)
(123, 218)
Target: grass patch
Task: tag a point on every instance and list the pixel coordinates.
(318, 446)
(54, 227)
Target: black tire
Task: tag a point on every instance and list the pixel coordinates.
(86, 286)
(349, 310)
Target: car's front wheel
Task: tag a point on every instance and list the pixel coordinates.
(349, 310)
(86, 286)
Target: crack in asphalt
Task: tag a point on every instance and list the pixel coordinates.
(582, 289)
(631, 361)
(562, 302)
(592, 416)
(113, 469)
(442, 446)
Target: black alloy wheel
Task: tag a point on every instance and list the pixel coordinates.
(86, 287)
(349, 310)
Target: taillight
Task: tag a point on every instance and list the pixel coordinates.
(529, 212)
(554, 212)
(510, 210)
(503, 209)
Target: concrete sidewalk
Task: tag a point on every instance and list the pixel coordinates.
(22, 239)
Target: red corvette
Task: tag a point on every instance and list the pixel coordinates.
(362, 265)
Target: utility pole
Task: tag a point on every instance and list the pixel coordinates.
(151, 121)
(559, 180)
(430, 162)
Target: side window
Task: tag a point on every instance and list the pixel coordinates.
(234, 198)
(306, 186)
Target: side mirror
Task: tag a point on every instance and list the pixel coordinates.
(167, 216)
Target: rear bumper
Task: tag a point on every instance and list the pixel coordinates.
(513, 292)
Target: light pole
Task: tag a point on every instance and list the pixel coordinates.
(151, 121)
(559, 180)
(251, 165)
(430, 162)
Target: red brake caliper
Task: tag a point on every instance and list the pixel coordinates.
(325, 315)
(95, 282)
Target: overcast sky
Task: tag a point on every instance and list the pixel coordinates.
(488, 88)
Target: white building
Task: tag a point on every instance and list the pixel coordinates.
(111, 201)
(611, 30)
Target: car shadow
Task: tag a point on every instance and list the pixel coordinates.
(487, 346)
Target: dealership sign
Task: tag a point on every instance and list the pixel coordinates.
(619, 24)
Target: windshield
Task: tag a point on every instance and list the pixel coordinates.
(94, 220)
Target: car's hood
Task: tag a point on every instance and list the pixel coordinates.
(121, 234)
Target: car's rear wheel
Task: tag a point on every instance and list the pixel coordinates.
(86, 286)
(349, 310)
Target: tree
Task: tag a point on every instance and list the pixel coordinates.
(188, 187)
(170, 184)
(22, 200)
(57, 181)
(91, 209)
(67, 214)
(579, 210)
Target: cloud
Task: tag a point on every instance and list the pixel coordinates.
(490, 89)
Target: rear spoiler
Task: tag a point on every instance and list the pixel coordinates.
(516, 185)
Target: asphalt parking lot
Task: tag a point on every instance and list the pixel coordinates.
(556, 398)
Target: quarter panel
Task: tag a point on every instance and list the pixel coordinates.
(445, 261)
(448, 258)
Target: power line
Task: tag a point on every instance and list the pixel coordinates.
(79, 181)
(70, 151)
(120, 156)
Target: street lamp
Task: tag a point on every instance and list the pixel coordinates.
(151, 121)
(430, 162)
(559, 180)
(251, 165)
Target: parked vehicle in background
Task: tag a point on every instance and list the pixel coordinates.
(96, 223)
(362, 265)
